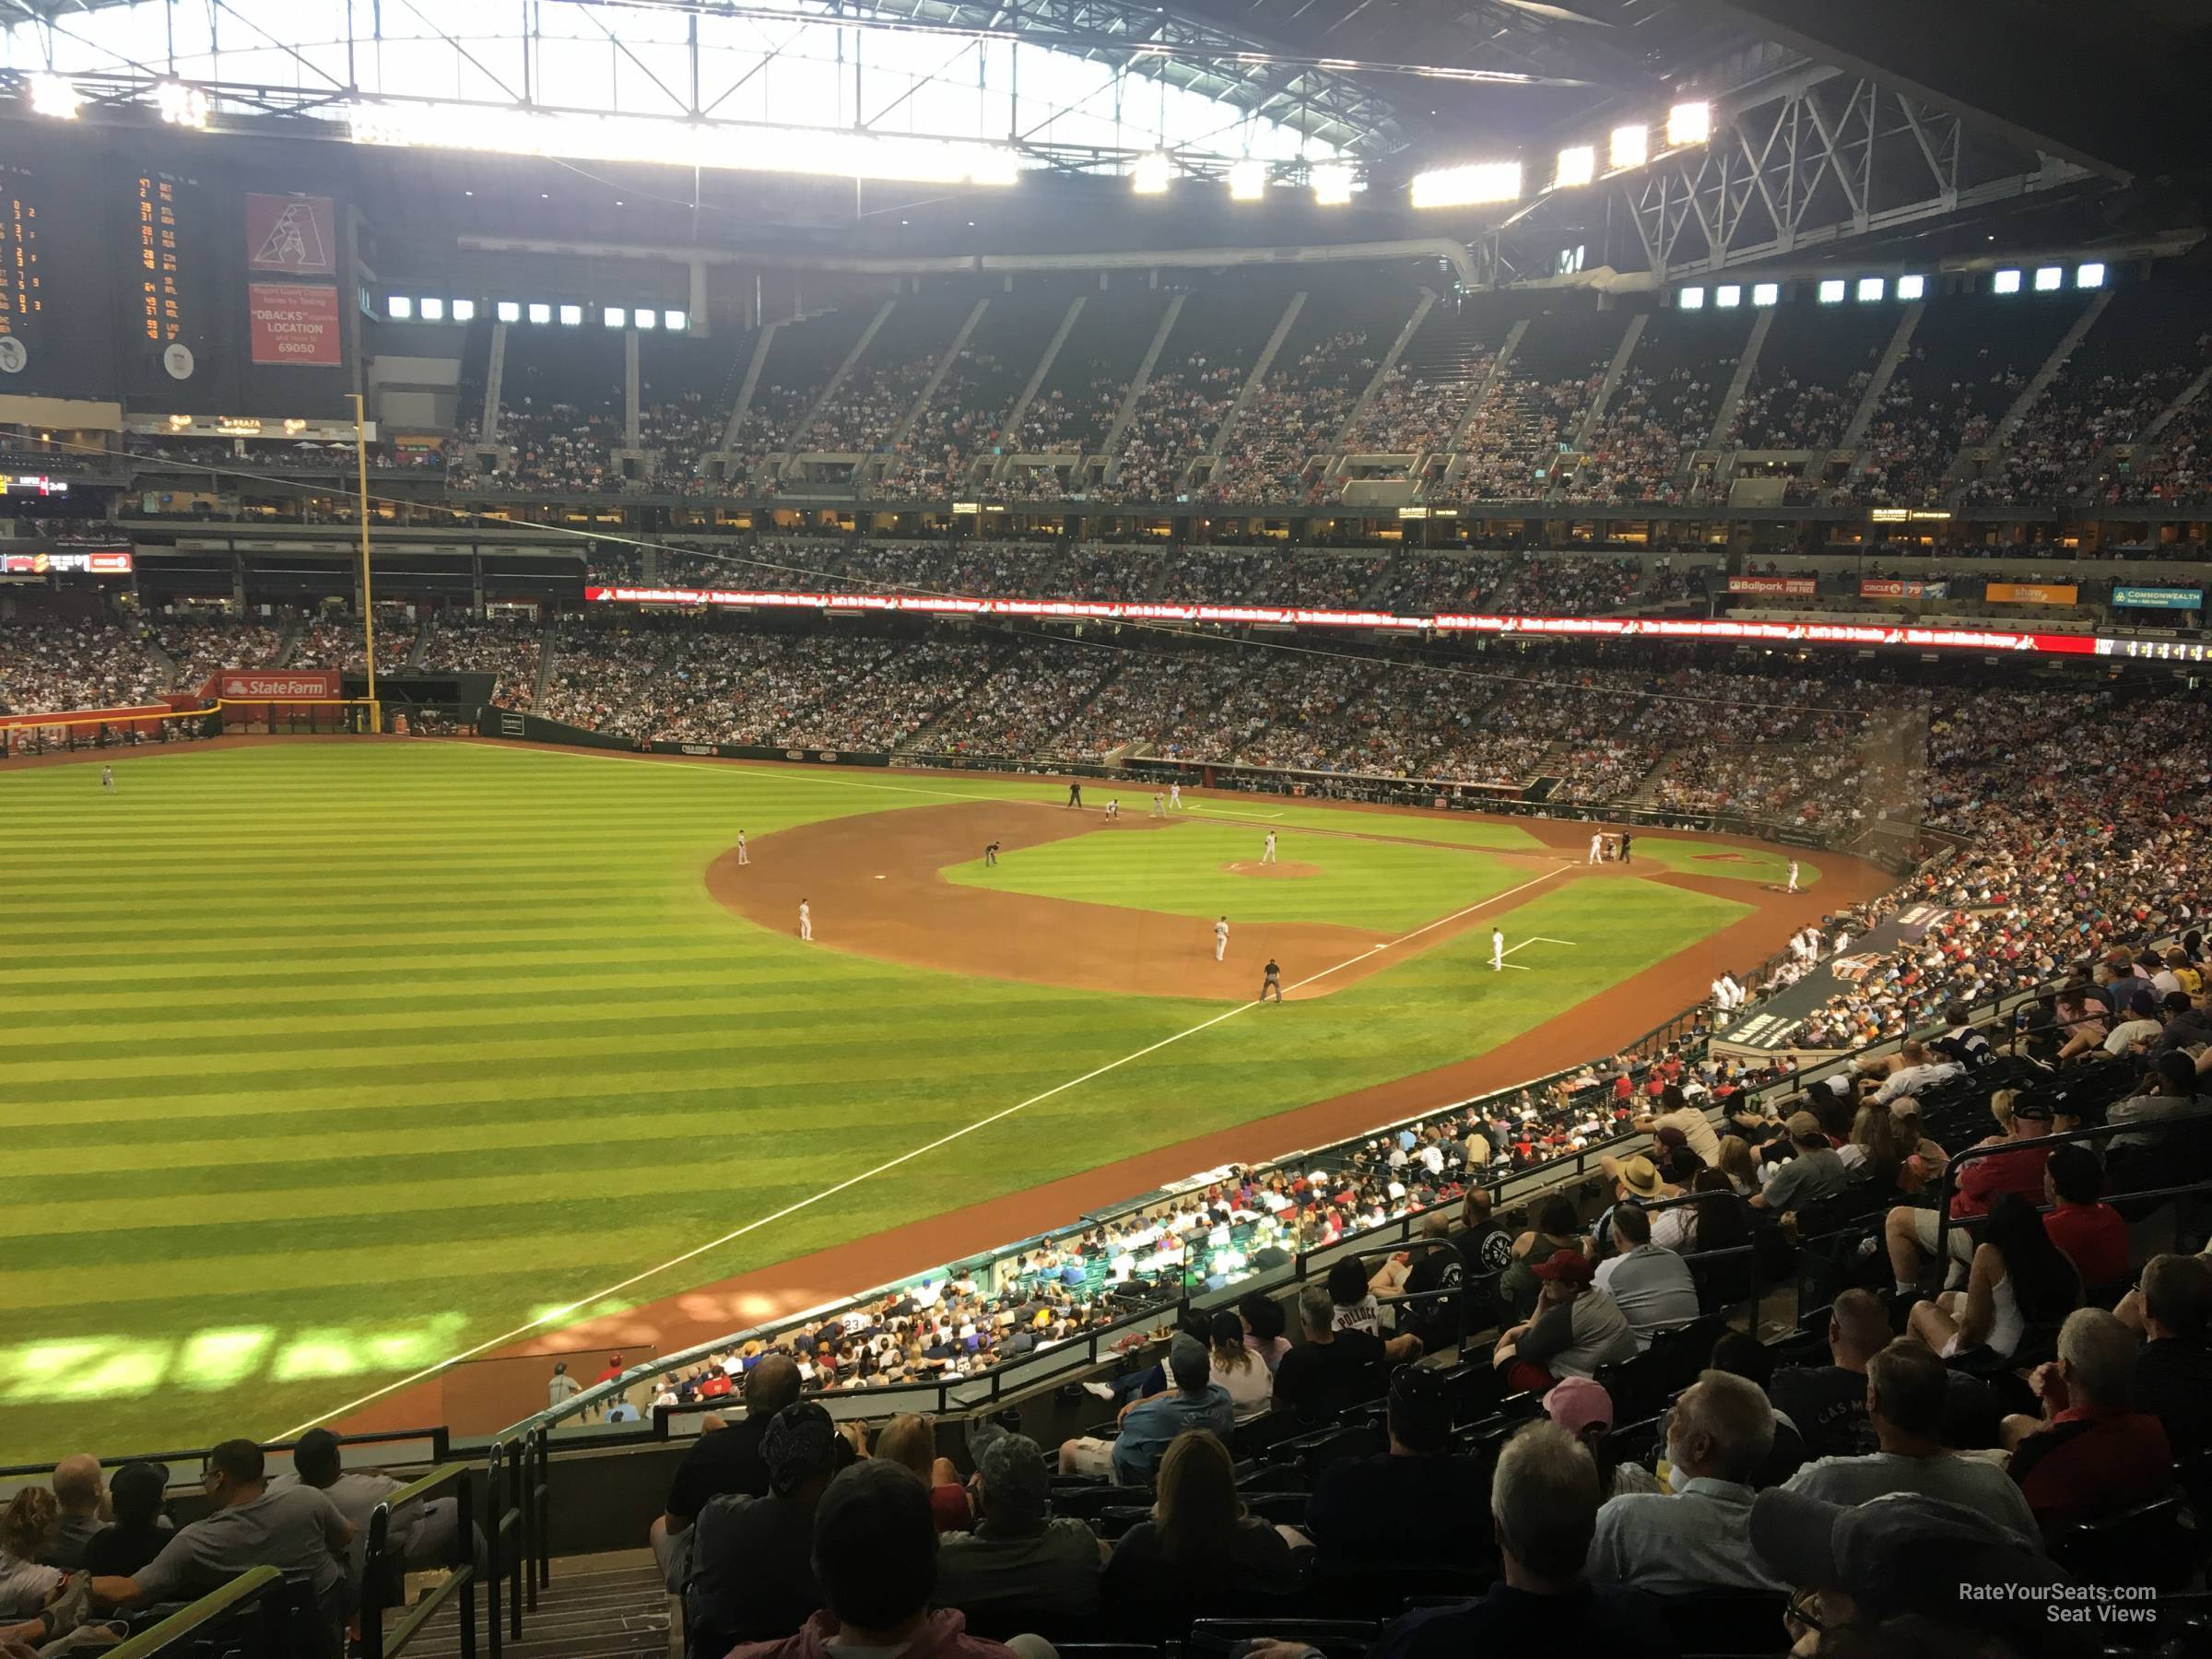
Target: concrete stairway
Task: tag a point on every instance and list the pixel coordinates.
(610, 1606)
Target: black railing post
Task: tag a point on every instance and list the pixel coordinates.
(500, 1528)
(518, 1506)
(375, 1568)
(541, 1492)
(464, 1513)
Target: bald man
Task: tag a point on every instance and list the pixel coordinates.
(81, 1492)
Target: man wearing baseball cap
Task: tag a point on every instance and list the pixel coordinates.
(1407, 1506)
(1577, 1327)
(1194, 1401)
(1815, 1173)
(1019, 1555)
(750, 1579)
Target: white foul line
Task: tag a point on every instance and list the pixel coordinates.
(888, 1164)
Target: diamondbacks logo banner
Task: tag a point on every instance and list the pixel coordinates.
(294, 234)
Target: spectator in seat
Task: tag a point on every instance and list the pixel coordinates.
(725, 1459)
(2090, 1233)
(874, 1552)
(1908, 1394)
(2173, 1308)
(909, 1441)
(78, 1494)
(297, 1529)
(1698, 1539)
(28, 1529)
(1828, 1403)
(1486, 1250)
(1653, 1286)
(1909, 1231)
(1405, 1505)
(1331, 1369)
(2017, 1279)
(1199, 1552)
(139, 1529)
(1676, 1113)
(1239, 1372)
(1262, 1317)
(1150, 1425)
(1019, 1555)
(2089, 1452)
(1920, 1070)
(1544, 1506)
(750, 1575)
(1815, 1173)
(1585, 1409)
(421, 1535)
(1577, 1328)
(1740, 1354)
(1963, 1043)
(1436, 1267)
(1554, 1231)
(2171, 1088)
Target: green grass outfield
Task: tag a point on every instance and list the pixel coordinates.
(322, 1064)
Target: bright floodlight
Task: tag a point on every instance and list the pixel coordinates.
(2004, 282)
(1689, 123)
(540, 311)
(2048, 278)
(1151, 173)
(1248, 179)
(646, 318)
(510, 311)
(1332, 186)
(181, 105)
(1690, 299)
(2090, 276)
(433, 311)
(571, 316)
(1911, 287)
(616, 316)
(1766, 293)
(1831, 291)
(464, 311)
(1632, 146)
(1465, 186)
(1871, 288)
(399, 308)
(1577, 166)
(51, 95)
(674, 322)
(1728, 296)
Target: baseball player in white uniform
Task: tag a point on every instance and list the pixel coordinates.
(107, 779)
(1843, 942)
(1597, 850)
(1174, 797)
(1267, 853)
(1792, 887)
(1220, 938)
(743, 856)
(1160, 805)
(806, 921)
(1114, 808)
(1497, 950)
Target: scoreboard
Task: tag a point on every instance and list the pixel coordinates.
(22, 284)
(158, 236)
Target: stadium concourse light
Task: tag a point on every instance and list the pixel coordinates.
(1151, 173)
(1468, 186)
(1247, 179)
(1332, 186)
(646, 318)
(181, 105)
(1631, 146)
(1577, 166)
(1766, 293)
(51, 95)
(681, 143)
(1689, 123)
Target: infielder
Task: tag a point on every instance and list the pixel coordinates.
(1175, 797)
(743, 856)
(991, 855)
(107, 779)
(1267, 853)
(1792, 887)
(1273, 981)
(1220, 938)
(806, 921)
(1114, 806)
(1497, 950)
(1597, 850)
(1159, 806)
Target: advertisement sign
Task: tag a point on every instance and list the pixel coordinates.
(279, 685)
(1892, 587)
(106, 562)
(1774, 584)
(293, 234)
(294, 323)
(2160, 598)
(2032, 593)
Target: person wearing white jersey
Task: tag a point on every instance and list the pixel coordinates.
(1497, 949)
(1792, 887)
(1159, 807)
(806, 921)
(1175, 797)
(1842, 942)
(743, 856)
(1220, 938)
(1267, 853)
(1597, 850)
(107, 779)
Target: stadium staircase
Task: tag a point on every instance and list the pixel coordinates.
(288, 641)
(549, 649)
(607, 1606)
(163, 661)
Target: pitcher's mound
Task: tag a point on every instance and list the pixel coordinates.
(1287, 869)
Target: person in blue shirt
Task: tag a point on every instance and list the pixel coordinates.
(1194, 1401)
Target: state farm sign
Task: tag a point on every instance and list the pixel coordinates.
(301, 685)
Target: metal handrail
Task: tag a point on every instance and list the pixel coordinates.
(376, 1568)
(1947, 1185)
(440, 1438)
(247, 1587)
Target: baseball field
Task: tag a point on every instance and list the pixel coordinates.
(324, 1063)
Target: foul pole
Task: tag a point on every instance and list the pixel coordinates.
(360, 461)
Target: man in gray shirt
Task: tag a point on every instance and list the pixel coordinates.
(1018, 1557)
(1814, 1174)
(1652, 1285)
(295, 1530)
(1907, 1389)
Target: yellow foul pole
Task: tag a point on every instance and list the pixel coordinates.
(360, 459)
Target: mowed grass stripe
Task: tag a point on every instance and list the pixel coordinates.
(554, 1036)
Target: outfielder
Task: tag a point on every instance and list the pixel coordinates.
(1273, 981)
(1497, 950)
(1267, 853)
(1220, 938)
(806, 921)
(107, 779)
(743, 856)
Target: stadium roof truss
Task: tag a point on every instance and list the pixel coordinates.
(1069, 85)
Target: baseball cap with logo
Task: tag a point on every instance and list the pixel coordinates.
(1571, 1265)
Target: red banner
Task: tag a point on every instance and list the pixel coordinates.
(279, 685)
(293, 234)
(294, 323)
(1774, 584)
(115, 562)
